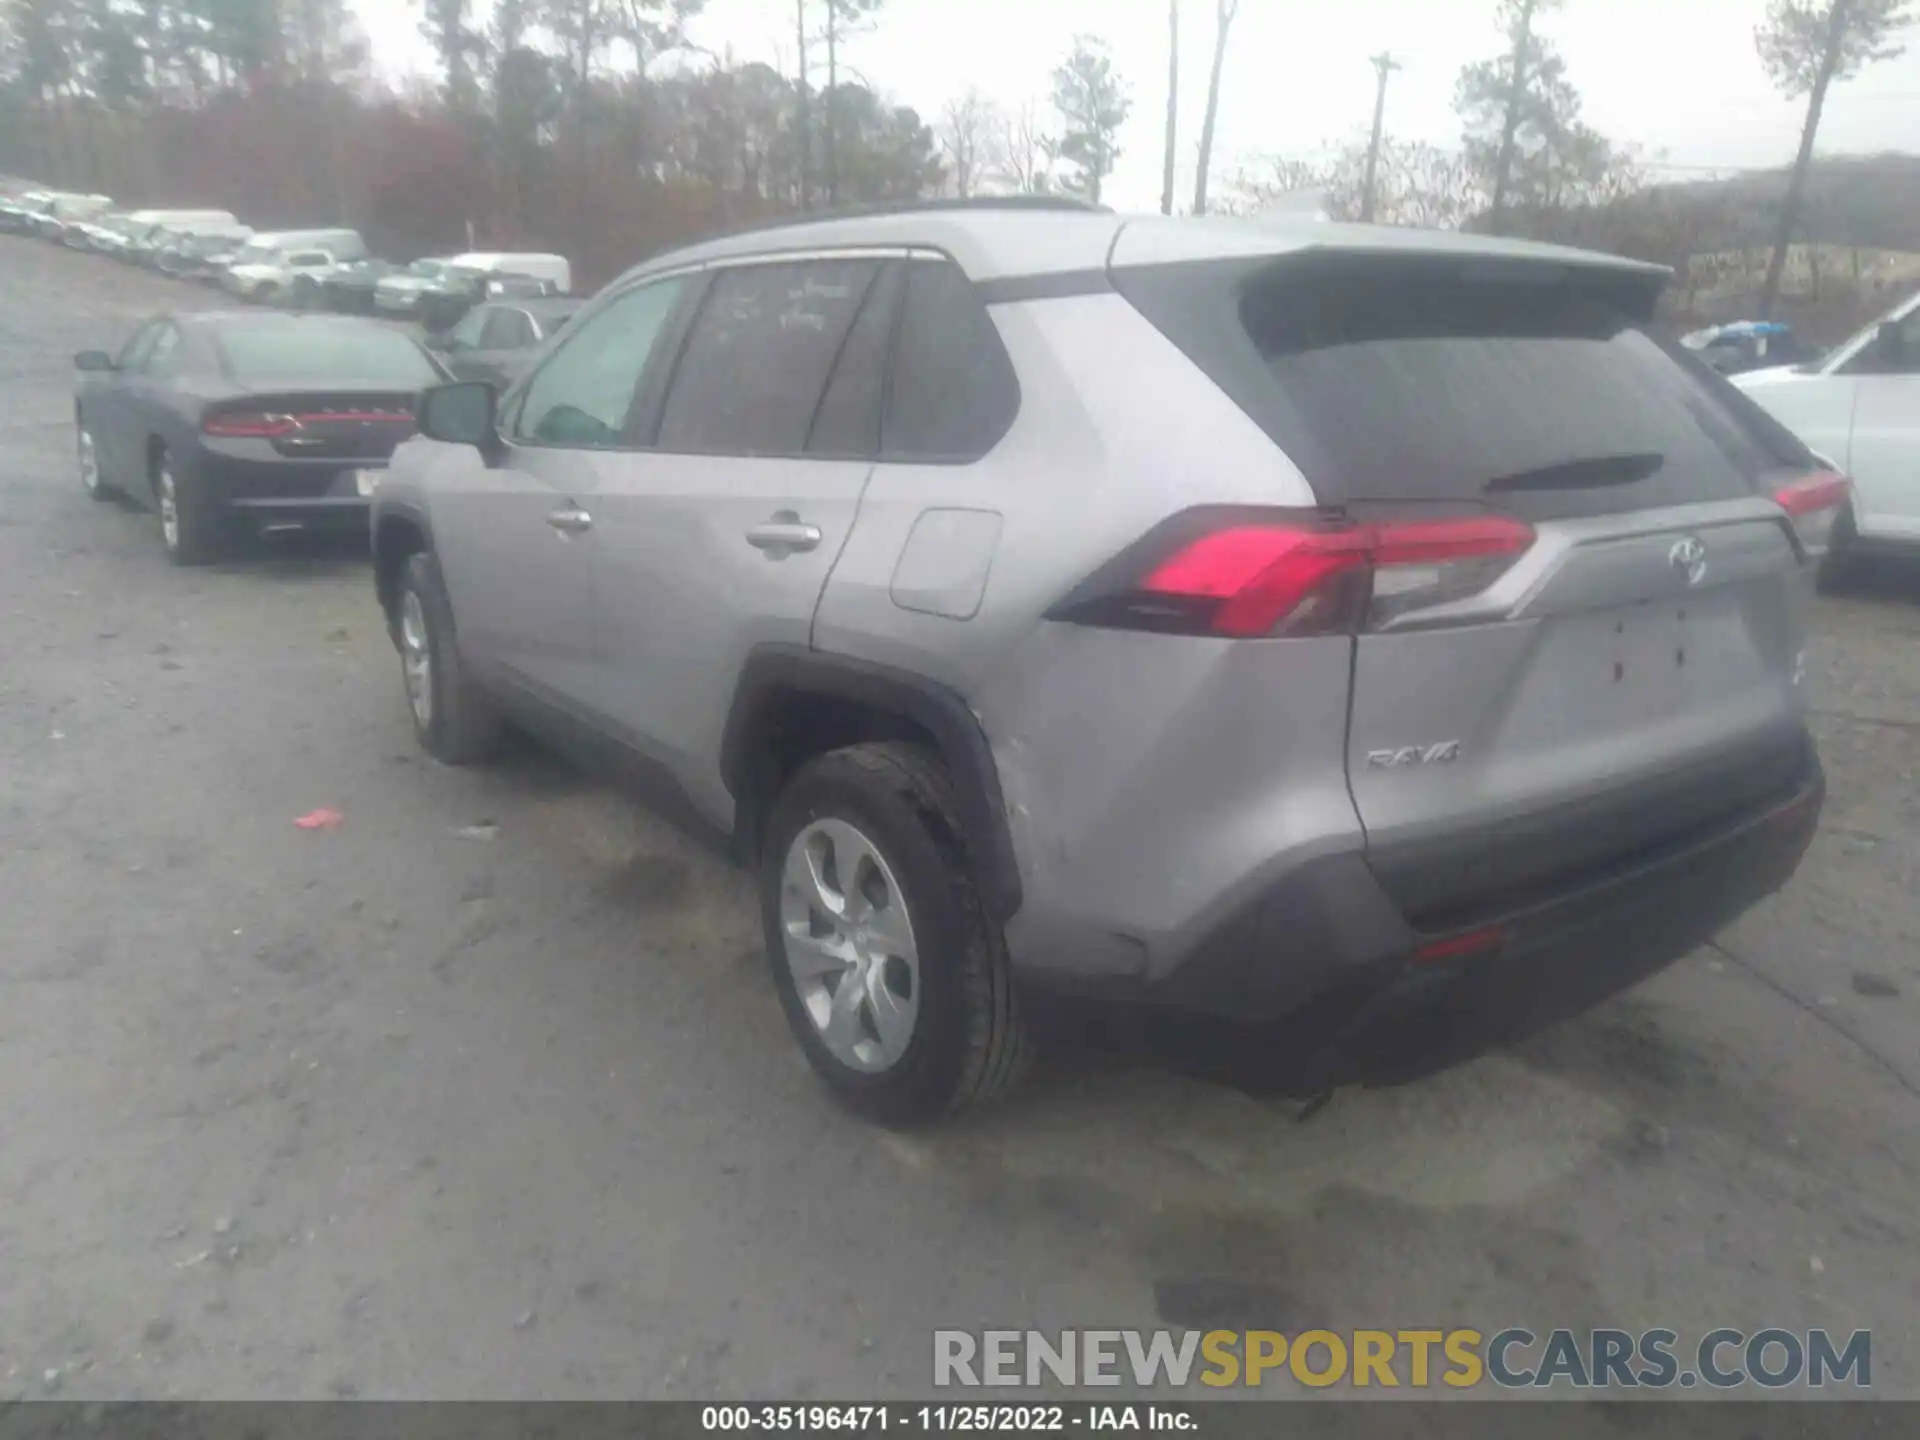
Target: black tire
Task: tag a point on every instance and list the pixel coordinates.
(461, 726)
(969, 1044)
(1836, 566)
(201, 532)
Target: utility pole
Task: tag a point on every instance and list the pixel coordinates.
(1385, 64)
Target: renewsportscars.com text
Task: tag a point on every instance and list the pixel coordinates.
(1513, 1358)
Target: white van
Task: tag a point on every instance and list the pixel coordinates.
(554, 269)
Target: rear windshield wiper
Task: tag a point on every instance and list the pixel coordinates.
(1586, 474)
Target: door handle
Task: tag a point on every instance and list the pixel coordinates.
(784, 535)
(570, 520)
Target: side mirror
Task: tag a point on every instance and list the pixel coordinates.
(462, 413)
(96, 361)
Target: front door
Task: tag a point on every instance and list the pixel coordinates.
(518, 540)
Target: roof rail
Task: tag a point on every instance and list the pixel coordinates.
(1046, 203)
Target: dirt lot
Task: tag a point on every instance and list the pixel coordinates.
(390, 1111)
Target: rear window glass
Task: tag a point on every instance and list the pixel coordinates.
(296, 352)
(1539, 396)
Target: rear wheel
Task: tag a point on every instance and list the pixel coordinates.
(453, 719)
(1837, 564)
(191, 526)
(893, 977)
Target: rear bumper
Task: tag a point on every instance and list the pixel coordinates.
(1329, 943)
(286, 491)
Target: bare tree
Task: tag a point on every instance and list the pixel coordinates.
(1224, 12)
(1023, 150)
(1173, 105)
(1806, 46)
(968, 129)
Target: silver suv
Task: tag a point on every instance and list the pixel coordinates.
(1264, 620)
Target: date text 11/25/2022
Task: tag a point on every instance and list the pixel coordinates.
(945, 1419)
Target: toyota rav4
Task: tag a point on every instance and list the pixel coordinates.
(1256, 619)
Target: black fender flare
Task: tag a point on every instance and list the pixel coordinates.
(384, 510)
(773, 670)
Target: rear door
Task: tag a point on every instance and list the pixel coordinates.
(722, 535)
(110, 412)
(1622, 668)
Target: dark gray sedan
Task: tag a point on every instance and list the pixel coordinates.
(218, 421)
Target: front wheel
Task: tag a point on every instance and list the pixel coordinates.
(893, 976)
(452, 717)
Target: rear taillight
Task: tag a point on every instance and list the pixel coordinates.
(1246, 574)
(250, 424)
(1813, 502)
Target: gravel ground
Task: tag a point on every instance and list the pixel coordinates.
(393, 1111)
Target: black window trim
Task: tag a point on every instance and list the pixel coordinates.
(641, 432)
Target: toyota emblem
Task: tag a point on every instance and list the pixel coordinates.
(1689, 557)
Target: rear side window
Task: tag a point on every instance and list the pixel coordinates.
(1529, 391)
(848, 420)
(294, 353)
(756, 363)
(953, 392)
(507, 330)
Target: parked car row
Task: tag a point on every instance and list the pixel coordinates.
(308, 269)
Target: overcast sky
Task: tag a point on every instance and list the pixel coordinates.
(1678, 77)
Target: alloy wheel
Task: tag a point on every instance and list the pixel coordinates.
(849, 942)
(416, 657)
(167, 492)
(89, 463)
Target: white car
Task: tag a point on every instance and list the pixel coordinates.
(401, 294)
(1859, 409)
(276, 279)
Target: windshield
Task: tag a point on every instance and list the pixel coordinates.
(254, 254)
(279, 354)
(427, 269)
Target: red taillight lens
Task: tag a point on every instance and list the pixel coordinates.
(1245, 578)
(1813, 503)
(250, 424)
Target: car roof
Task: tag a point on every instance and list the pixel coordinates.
(274, 319)
(993, 243)
(537, 305)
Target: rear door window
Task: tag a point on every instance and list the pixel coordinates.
(1538, 393)
(507, 330)
(953, 393)
(757, 360)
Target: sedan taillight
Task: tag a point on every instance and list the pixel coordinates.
(250, 424)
